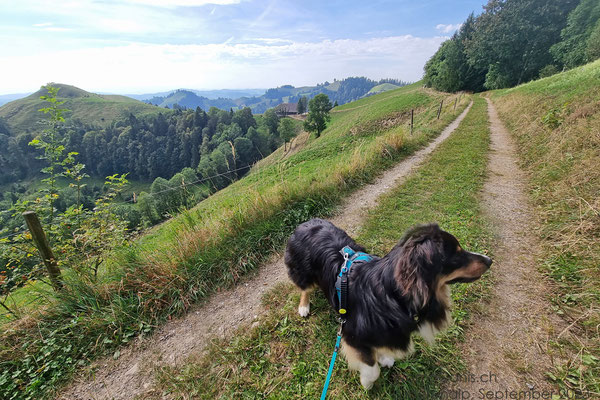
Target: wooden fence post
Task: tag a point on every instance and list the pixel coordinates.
(41, 242)
(440, 110)
(455, 101)
(412, 115)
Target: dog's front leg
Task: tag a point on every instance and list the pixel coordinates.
(304, 306)
(363, 362)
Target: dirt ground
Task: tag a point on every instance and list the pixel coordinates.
(131, 374)
(506, 347)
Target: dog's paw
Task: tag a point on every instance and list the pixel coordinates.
(368, 375)
(386, 361)
(303, 311)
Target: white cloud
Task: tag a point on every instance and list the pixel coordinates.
(449, 28)
(49, 27)
(146, 67)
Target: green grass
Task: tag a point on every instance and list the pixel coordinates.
(211, 246)
(384, 87)
(286, 356)
(23, 115)
(556, 122)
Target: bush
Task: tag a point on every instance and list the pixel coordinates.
(548, 70)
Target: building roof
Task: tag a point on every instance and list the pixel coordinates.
(287, 108)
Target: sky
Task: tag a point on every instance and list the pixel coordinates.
(144, 46)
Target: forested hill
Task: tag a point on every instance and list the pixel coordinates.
(151, 147)
(22, 116)
(342, 91)
(515, 41)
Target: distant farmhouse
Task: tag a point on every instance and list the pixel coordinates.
(287, 109)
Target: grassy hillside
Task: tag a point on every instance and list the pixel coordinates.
(23, 115)
(286, 356)
(384, 87)
(556, 122)
(216, 243)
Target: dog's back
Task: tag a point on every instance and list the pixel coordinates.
(313, 253)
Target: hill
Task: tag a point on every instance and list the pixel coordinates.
(23, 115)
(384, 87)
(189, 99)
(342, 91)
(209, 94)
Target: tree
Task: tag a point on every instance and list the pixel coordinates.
(50, 143)
(244, 119)
(302, 104)
(593, 44)
(318, 114)
(512, 39)
(271, 120)
(287, 130)
(571, 51)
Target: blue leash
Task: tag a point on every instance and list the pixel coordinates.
(332, 362)
(341, 287)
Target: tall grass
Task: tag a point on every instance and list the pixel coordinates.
(286, 356)
(209, 247)
(556, 122)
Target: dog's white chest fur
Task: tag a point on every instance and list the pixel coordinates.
(428, 331)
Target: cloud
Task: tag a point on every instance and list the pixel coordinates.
(447, 28)
(49, 27)
(145, 67)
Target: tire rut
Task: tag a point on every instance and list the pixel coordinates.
(506, 347)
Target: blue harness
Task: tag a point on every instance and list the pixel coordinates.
(341, 287)
(341, 284)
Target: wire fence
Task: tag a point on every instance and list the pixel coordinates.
(196, 182)
(13, 234)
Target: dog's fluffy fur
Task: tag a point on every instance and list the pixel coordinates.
(389, 297)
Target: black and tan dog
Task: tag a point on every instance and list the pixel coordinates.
(388, 298)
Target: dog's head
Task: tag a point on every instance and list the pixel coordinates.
(427, 258)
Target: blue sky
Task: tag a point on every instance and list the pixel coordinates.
(141, 46)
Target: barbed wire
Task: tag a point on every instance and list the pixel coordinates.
(194, 182)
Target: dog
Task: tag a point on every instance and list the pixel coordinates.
(389, 297)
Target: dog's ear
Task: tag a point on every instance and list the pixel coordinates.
(415, 269)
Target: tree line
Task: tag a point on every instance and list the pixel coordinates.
(158, 146)
(515, 41)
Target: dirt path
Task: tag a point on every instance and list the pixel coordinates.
(132, 373)
(506, 347)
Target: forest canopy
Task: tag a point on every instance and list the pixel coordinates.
(515, 41)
